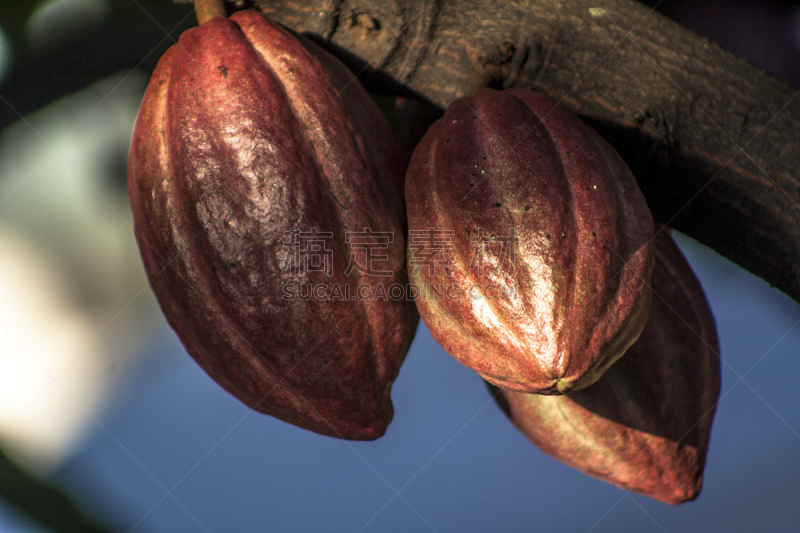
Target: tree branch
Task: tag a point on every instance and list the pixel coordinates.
(713, 140)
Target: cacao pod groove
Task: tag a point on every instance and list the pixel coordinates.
(248, 138)
(546, 237)
(645, 424)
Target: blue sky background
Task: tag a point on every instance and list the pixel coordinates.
(456, 461)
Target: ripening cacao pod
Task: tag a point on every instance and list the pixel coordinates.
(645, 424)
(529, 242)
(260, 174)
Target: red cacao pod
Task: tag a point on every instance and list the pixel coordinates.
(645, 424)
(249, 139)
(529, 242)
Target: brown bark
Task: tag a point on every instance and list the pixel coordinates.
(714, 141)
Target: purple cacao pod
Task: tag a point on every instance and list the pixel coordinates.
(645, 424)
(266, 189)
(529, 242)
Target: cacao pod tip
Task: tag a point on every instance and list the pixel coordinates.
(645, 425)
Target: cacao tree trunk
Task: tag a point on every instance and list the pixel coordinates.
(713, 141)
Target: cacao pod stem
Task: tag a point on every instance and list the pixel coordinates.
(208, 9)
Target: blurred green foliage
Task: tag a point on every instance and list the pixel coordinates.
(130, 34)
(13, 16)
(46, 504)
(387, 106)
(15, 13)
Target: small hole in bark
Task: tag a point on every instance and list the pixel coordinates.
(368, 23)
(497, 204)
(527, 208)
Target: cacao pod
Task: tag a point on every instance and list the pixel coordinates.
(645, 424)
(255, 158)
(529, 242)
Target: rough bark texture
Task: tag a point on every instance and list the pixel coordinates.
(713, 141)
